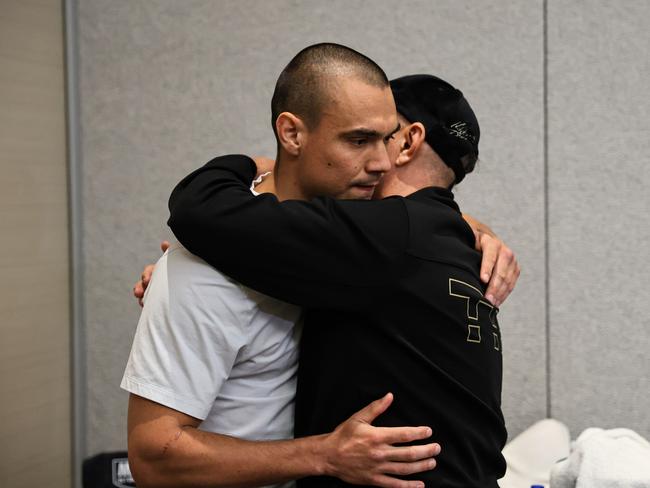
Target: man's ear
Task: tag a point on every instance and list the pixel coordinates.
(291, 131)
(413, 139)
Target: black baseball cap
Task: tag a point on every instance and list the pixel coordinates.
(451, 126)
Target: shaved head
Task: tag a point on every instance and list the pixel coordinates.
(306, 84)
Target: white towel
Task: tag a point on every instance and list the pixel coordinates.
(616, 458)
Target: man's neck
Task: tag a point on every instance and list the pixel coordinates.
(283, 183)
(411, 178)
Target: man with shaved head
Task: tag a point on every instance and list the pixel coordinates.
(307, 100)
(375, 295)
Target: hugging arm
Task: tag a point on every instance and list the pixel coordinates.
(166, 449)
(308, 253)
(192, 329)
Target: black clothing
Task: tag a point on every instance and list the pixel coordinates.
(393, 303)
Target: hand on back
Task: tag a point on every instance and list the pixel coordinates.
(499, 268)
(362, 454)
(140, 287)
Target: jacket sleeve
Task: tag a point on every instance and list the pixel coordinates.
(321, 253)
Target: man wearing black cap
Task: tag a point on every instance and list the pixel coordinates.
(392, 292)
(452, 130)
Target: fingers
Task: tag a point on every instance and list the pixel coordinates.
(388, 482)
(495, 290)
(370, 412)
(499, 269)
(399, 435)
(490, 248)
(141, 286)
(504, 277)
(409, 454)
(145, 277)
(367, 455)
(138, 290)
(509, 282)
(404, 469)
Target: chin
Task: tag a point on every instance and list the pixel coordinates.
(352, 195)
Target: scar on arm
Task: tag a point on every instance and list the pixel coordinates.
(169, 443)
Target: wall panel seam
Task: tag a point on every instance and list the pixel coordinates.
(547, 280)
(77, 336)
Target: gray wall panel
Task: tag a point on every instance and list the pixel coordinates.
(166, 85)
(507, 189)
(599, 141)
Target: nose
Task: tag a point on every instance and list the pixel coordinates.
(380, 162)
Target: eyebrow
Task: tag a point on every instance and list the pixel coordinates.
(363, 132)
(399, 126)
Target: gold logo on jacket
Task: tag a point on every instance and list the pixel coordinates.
(475, 304)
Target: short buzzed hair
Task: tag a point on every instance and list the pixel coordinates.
(302, 87)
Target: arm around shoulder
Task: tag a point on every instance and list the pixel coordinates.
(312, 252)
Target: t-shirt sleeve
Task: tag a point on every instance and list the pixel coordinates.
(188, 336)
(319, 253)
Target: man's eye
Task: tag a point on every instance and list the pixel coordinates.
(359, 142)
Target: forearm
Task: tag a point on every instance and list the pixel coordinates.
(167, 450)
(478, 226)
(196, 458)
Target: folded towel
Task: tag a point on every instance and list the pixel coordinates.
(616, 458)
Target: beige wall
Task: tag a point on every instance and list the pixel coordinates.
(34, 290)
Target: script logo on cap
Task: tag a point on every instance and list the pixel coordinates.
(460, 130)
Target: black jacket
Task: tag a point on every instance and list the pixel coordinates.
(393, 303)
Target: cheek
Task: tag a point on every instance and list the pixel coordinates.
(393, 150)
(348, 172)
(341, 162)
(350, 161)
(325, 156)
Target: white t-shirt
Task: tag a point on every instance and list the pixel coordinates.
(216, 350)
(213, 349)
